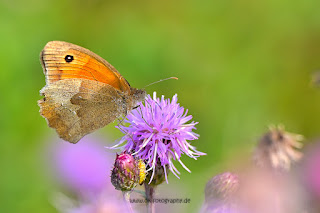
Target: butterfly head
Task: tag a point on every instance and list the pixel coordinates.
(138, 95)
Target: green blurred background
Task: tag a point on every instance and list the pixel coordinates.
(242, 65)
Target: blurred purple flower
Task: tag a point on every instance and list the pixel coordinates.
(220, 193)
(83, 167)
(312, 170)
(222, 187)
(100, 204)
(264, 192)
(158, 130)
(221, 208)
(255, 190)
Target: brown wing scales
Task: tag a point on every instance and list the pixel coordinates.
(79, 111)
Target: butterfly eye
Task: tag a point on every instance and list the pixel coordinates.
(68, 58)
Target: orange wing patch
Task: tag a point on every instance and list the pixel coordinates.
(62, 60)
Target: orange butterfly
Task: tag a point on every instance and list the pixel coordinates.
(83, 91)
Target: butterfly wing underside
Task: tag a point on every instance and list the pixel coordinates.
(83, 91)
(76, 107)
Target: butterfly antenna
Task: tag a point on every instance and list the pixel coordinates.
(175, 78)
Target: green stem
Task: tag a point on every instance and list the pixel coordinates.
(126, 198)
(150, 191)
(140, 192)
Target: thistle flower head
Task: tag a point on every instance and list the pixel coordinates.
(277, 149)
(125, 173)
(158, 131)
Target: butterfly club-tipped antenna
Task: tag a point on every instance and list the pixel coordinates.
(175, 78)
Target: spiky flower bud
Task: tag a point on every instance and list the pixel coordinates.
(221, 187)
(277, 149)
(125, 172)
(220, 193)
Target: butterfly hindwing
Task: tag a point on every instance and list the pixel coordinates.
(76, 107)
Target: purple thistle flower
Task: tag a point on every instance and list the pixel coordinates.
(158, 131)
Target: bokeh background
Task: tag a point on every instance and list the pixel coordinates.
(242, 65)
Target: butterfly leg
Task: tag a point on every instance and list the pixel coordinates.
(142, 116)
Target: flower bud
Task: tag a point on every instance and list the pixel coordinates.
(221, 187)
(125, 173)
(277, 149)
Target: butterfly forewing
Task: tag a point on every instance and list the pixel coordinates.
(83, 64)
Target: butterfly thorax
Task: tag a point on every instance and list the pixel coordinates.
(138, 95)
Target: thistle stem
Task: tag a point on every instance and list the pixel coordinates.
(143, 193)
(126, 198)
(150, 190)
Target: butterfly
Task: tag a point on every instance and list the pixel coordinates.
(83, 92)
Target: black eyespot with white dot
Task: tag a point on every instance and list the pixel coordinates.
(68, 58)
